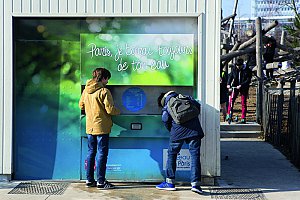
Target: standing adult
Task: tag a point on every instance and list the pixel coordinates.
(190, 132)
(239, 79)
(269, 47)
(98, 104)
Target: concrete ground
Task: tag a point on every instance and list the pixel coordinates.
(251, 169)
(131, 191)
(253, 163)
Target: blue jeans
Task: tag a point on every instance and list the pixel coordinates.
(101, 143)
(194, 148)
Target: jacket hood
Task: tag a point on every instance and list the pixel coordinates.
(92, 86)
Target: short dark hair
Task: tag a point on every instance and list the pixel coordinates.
(160, 98)
(100, 73)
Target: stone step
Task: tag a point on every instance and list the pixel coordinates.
(241, 134)
(236, 126)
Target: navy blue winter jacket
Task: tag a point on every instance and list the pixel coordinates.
(186, 130)
(240, 77)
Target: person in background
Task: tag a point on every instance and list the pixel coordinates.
(190, 132)
(269, 46)
(98, 104)
(240, 79)
(223, 91)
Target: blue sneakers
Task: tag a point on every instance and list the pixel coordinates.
(166, 186)
(197, 189)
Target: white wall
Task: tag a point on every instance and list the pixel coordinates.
(208, 13)
(1, 87)
(209, 59)
(103, 7)
(6, 94)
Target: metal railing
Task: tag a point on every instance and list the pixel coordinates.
(281, 121)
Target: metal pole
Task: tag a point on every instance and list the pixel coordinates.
(259, 96)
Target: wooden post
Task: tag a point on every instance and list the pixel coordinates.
(281, 85)
(264, 31)
(235, 47)
(259, 96)
(230, 55)
(232, 20)
(282, 38)
(224, 52)
(225, 42)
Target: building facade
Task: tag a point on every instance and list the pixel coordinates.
(269, 11)
(273, 8)
(48, 46)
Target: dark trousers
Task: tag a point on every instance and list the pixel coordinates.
(97, 143)
(194, 148)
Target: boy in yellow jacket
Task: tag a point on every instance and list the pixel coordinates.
(98, 104)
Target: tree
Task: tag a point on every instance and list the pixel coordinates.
(293, 39)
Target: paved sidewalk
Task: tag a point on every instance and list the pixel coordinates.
(253, 163)
(132, 191)
(251, 169)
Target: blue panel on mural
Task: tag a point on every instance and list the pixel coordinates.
(134, 99)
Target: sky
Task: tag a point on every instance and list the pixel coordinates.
(243, 9)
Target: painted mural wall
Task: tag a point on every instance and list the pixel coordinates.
(52, 60)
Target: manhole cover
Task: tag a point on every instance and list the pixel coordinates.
(40, 188)
(236, 193)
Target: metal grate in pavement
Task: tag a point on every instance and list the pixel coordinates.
(40, 188)
(237, 193)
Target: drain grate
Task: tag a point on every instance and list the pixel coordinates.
(236, 193)
(40, 188)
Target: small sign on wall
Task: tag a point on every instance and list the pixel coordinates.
(114, 167)
(183, 161)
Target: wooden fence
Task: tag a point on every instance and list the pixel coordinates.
(281, 121)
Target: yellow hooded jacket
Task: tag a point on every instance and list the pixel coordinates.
(98, 104)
